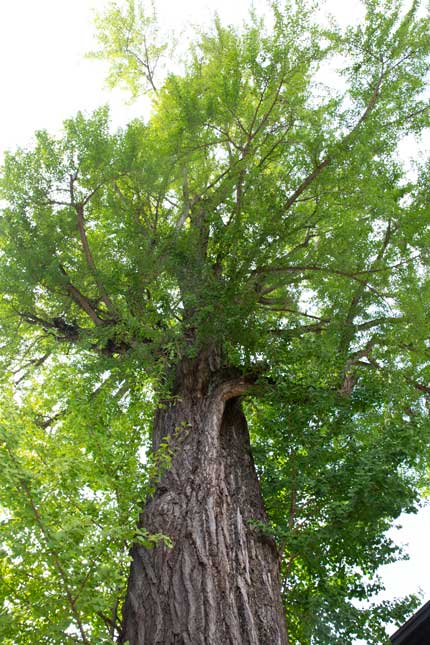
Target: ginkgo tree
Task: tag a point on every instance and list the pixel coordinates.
(215, 338)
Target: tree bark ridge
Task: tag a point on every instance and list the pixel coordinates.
(219, 584)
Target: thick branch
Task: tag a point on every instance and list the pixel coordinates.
(89, 258)
(81, 300)
(231, 388)
(70, 332)
(328, 160)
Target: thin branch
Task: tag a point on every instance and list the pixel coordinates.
(256, 111)
(274, 302)
(299, 331)
(186, 201)
(407, 117)
(36, 362)
(237, 120)
(274, 145)
(303, 269)
(225, 134)
(114, 618)
(306, 315)
(420, 387)
(36, 320)
(266, 116)
(369, 324)
(149, 75)
(83, 583)
(111, 623)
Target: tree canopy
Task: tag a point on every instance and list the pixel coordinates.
(261, 209)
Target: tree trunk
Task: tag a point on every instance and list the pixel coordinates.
(219, 584)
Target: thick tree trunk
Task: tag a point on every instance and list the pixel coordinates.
(219, 584)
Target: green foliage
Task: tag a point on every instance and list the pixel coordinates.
(129, 38)
(334, 475)
(256, 210)
(72, 488)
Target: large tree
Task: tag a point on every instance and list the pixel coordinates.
(245, 267)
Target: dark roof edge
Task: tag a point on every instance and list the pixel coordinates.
(413, 622)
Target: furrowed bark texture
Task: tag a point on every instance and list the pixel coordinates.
(219, 584)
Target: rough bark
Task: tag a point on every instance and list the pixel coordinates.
(219, 584)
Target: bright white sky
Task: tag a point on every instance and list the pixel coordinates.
(44, 79)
